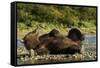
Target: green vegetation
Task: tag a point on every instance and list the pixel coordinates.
(47, 17)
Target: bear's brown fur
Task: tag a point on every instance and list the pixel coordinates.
(31, 40)
(63, 45)
(54, 43)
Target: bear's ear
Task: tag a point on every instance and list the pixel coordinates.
(75, 34)
(53, 32)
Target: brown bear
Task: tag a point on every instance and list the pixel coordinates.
(75, 35)
(62, 45)
(31, 40)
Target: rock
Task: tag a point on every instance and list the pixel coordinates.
(22, 51)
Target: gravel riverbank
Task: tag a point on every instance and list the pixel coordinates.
(88, 53)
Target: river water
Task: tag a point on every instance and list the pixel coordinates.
(90, 39)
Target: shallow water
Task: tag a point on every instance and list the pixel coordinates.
(90, 39)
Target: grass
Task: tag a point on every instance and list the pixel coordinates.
(46, 27)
